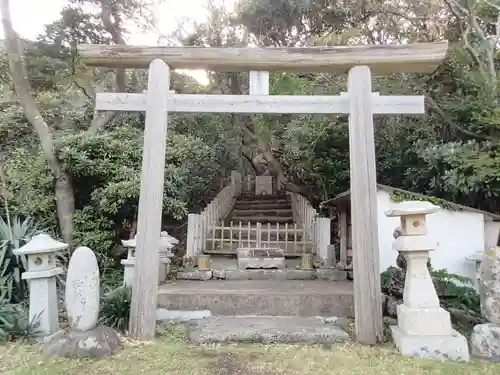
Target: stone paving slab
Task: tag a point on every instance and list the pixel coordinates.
(264, 329)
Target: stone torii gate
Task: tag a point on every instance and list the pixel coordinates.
(359, 103)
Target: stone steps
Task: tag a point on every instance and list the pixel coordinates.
(262, 212)
(263, 198)
(262, 219)
(304, 298)
(262, 205)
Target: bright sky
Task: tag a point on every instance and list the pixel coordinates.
(30, 16)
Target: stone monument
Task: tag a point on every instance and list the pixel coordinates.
(485, 338)
(41, 273)
(83, 338)
(424, 328)
(263, 185)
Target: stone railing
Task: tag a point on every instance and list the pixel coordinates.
(317, 229)
(199, 224)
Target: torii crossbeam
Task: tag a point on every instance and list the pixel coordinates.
(359, 102)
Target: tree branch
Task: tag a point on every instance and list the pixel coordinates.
(65, 200)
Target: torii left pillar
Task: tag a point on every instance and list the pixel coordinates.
(144, 290)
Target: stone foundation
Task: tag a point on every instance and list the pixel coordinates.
(261, 258)
(264, 274)
(439, 347)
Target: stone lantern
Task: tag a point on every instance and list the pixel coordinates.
(166, 243)
(424, 328)
(477, 258)
(41, 253)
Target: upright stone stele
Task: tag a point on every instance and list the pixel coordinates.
(485, 338)
(84, 337)
(263, 185)
(41, 274)
(424, 328)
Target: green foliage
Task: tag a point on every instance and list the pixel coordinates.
(14, 233)
(456, 291)
(387, 276)
(111, 279)
(14, 318)
(399, 196)
(106, 172)
(115, 309)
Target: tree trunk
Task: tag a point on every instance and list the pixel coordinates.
(275, 167)
(65, 205)
(63, 189)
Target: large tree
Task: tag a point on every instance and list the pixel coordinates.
(75, 26)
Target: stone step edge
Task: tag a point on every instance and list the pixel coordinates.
(324, 274)
(266, 330)
(166, 315)
(182, 316)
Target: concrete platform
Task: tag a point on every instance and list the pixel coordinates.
(304, 298)
(265, 329)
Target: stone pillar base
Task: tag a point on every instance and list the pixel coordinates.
(440, 347)
(424, 321)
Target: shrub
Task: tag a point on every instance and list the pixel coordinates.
(14, 233)
(115, 308)
(14, 318)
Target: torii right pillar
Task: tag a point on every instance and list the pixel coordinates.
(424, 329)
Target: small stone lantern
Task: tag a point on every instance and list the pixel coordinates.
(424, 328)
(477, 258)
(166, 243)
(41, 274)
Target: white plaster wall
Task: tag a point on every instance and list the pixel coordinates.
(459, 234)
(491, 231)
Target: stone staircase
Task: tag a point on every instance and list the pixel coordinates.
(260, 221)
(252, 253)
(261, 208)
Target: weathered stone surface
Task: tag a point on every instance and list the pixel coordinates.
(219, 274)
(261, 258)
(299, 274)
(424, 321)
(330, 274)
(485, 342)
(343, 322)
(181, 315)
(262, 274)
(260, 297)
(82, 290)
(195, 275)
(254, 262)
(98, 342)
(264, 329)
(264, 185)
(268, 274)
(489, 285)
(438, 347)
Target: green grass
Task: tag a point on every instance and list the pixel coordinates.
(172, 354)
